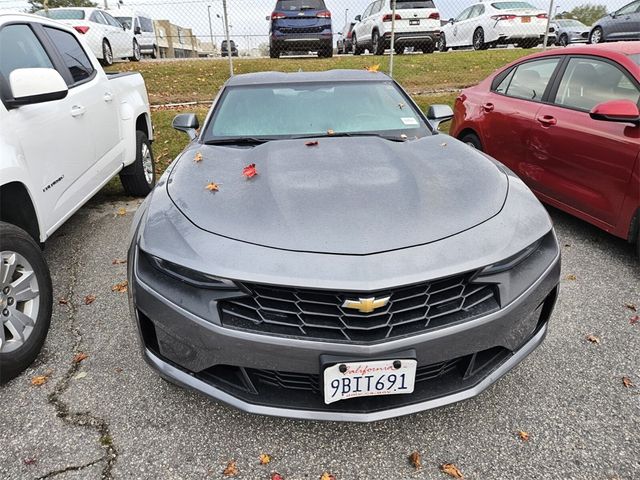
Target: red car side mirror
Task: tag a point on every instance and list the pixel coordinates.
(624, 111)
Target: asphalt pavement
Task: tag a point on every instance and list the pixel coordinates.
(111, 416)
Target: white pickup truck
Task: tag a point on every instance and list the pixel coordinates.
(66, 129)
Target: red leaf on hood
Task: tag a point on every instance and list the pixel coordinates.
(250, 171)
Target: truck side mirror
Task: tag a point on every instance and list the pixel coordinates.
(35, 85)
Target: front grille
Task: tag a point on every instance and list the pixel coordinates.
(311, 382)
(319, 314)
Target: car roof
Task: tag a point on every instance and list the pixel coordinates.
(306, 77)
(601, 49)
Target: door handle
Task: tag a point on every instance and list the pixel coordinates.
(488, 107)
(547, 120)
(108, 97)
(77, 110)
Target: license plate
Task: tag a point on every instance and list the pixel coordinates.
(364, 379)
(526, 19)
(414, 22)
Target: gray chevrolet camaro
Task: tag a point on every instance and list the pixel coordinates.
(320, 251)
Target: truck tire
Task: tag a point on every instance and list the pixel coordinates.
(139, 178)
(136, 52)
(377, 44)
(25, 301)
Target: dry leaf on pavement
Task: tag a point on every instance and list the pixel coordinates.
(264, 458)
(231, 470)
(78, 357)
(89, 299)
(63, 301)
(593, 339)
(524, 436)
(635, 319)
(416, 460)
(39, 380)
(122, 211)
(627, 382)
(631, 307)
(29, 461)
(328, 476)
(80, 376)
(120, 287)
(118, 261)
(451, 470)
(571, 277)
(276, 476)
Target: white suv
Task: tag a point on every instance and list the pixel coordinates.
(417, 25)
(142, 28)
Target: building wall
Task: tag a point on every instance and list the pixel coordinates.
(175, 41)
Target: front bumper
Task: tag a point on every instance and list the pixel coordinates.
(279, 376)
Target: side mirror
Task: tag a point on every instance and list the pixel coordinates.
(137, 31)
(268, 17)
(358, 18)
(452, 21)
(188, 123)
(35, 85)
(622, 111)
(438, 114)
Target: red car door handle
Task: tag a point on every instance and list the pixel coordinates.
(547, 120)
(488, 107)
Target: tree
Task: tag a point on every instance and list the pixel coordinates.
(587, 14)
(39, 5)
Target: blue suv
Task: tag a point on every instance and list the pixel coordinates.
(300, 26)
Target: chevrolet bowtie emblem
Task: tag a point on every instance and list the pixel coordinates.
(366, 305)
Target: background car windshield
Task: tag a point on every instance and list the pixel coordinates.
(281, 111)
(296, 5)
(125, 21)
(402, 4)
(513, 5)
(62, 14)
(570, 23)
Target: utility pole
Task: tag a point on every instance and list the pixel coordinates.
(546, 32)
(393, 38)
(346, 11)
(210, 30)
(226, 32)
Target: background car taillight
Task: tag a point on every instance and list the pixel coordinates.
(81, 29)
(434, 16)
(542, 15)
(324, 14)
(278, 16)
(388, 17)
(503, 17)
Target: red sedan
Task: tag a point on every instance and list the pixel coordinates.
(568, 123)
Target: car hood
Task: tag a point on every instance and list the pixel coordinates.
(354, 196)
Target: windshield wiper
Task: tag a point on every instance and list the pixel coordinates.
(393, 138)
(238, 141)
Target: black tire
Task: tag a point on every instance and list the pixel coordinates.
(597, 36)
(136, 52)
(564, 40)
(107, 53)
(326, 52)
(14, 239)
(137, 179)
(429, 48)
(154, 52)
(398, 50)
(442, 43)
(526, 44)
(274, 51)
(478, 40)
(377, 47)
(472, 140)
(354, 46)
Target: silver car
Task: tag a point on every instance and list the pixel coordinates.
(320, 251)
(568, 31)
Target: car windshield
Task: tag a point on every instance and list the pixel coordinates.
(62, 14)
(570, 23)
(513, 6)
(125, 21)
(297, 5)
(403, 4)
(283, 111)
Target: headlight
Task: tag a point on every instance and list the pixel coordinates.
(513, 260)
(189, 276)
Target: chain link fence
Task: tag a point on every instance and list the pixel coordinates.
(278, 28)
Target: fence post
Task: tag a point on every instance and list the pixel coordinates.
(393, 38)
(546, 32)
(226, 32)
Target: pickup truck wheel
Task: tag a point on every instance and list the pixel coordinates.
(136, 52)
(154, 53)
(472, 140)
(25, 301)
(139, 178)
(107, 54)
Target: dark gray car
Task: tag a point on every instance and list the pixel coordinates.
(568, 31)
(320, 251)
(623, 24)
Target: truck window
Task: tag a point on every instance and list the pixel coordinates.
(146, 24)
(72, 53)
(20, 48)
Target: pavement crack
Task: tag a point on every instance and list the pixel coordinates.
(63, 411)
(73, 468)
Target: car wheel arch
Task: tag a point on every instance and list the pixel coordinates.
(470, 131)
(24, 214)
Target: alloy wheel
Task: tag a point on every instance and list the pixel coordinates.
(478, 39)
(147, 163)
(596, 36)
(19, 300)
